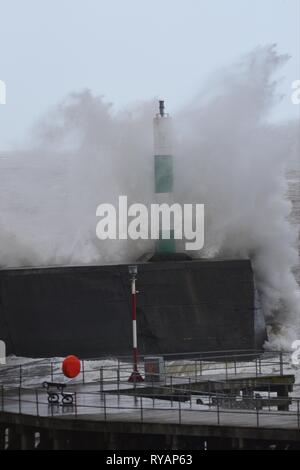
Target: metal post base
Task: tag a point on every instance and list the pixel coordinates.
(135, 377)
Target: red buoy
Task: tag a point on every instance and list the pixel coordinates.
(71, 367)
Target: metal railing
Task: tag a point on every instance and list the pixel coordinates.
(186, 411)
(182, 379)
(233, 363)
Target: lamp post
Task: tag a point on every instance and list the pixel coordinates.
(135, 376)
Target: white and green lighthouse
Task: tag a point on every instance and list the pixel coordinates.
(164, 176)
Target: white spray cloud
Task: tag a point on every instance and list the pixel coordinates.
(227, 155)
(234, 160)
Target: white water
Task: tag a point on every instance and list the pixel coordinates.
(228, 155)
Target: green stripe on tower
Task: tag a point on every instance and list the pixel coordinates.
(166, 246)
(164, 185)
(163, 173)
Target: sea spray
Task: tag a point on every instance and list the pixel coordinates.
(228, 155)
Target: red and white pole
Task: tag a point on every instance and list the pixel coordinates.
(134, 330)
(135, 376)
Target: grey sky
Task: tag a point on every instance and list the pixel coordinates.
(131, 50)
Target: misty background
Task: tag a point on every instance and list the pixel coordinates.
(83, 79)
(132, 50)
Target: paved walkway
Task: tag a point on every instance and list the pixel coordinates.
(91, 406)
